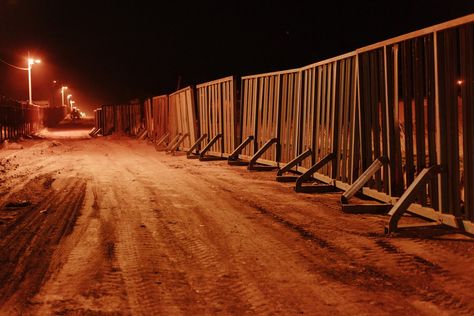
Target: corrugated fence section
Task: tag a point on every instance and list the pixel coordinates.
(18, 120)
(156, 117)
(270, 112)
(393, 120)
(216, 102)
(328, 124)
(183, 124)
(128, 119)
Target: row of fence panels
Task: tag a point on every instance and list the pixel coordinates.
(408, 100)
(126, 119)
(18, 120)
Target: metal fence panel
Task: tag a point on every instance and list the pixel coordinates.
(182, 118)
(328, 121)
(156, 116)
(270, 109)
(249, 112)
(217, 112)
(416, 100)
(19, 120)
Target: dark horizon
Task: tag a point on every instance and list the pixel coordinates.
(112, 52)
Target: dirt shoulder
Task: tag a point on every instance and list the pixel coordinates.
(129, 230)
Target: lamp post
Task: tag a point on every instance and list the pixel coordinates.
(62, 94)
(31, 62)
(69, 96)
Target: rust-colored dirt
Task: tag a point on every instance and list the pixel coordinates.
(128, 230)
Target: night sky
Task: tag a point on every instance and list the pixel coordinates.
(112, 51)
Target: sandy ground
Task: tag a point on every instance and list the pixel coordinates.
(111, 226)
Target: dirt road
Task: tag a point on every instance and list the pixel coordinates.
(110, 225)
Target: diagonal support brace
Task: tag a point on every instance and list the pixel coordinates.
(410, 195)
(202, 155)
(161, 140)
(189, 153)
(308, 174)
(143, 135)
(260, 152)
(173, 142)
(234, 156)
(364, 178)
(291, 164)
(180, 141)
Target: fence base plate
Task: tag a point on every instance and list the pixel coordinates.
(417, 227)
(211, 158)
(286, 178)
(257, 167)
(318, 188)
(238, 162)
(366, 208)
(193, 156)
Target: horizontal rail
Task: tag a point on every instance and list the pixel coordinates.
(428, 30)
(213, 82)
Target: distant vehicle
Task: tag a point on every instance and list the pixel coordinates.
(75, 114)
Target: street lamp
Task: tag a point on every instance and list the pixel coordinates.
(31, 62)
(62, 94)
(69, 96)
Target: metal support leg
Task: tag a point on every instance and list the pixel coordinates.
(173, 142)
(359, 184)
(202, 155)
(409, 196)
(143, 135)
(91, 133)
(180, 141)
(364, 178)
(258, 154)
(281, 178)
(161, 140)
(308, 174)
(195, 146)
(234, 157)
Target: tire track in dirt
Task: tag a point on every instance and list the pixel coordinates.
(87, 276)
(153, 285)
(177, 240)
(434, 276)
(28, 243)
(415, 263)
(213, 278)
(250, 273)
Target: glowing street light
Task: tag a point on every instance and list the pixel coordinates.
(62, 94)
(31, 62)
(69, 96)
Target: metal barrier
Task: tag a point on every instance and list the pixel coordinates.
(126, 119)
(416, 109)
(182, 119)
(217, 107)
(53, 115)
(156, 117)
(270, 115)
(378, 119)
(18, 120)
(392, 120)
(329, 121)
